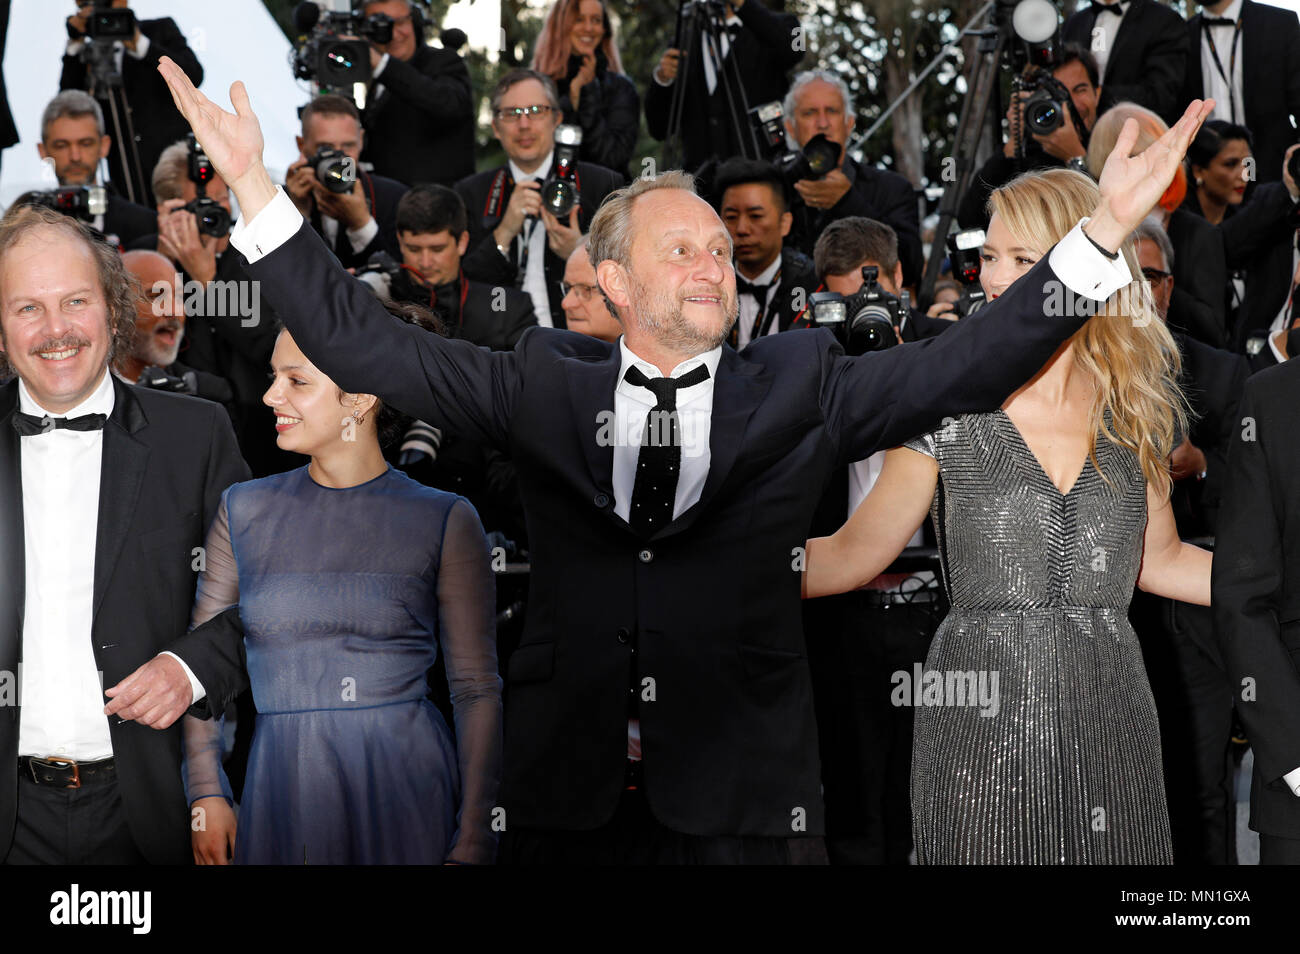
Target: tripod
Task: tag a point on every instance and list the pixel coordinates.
(106, 86)
(701, 26)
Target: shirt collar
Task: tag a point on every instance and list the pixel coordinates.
(540, 173)
(1231, 12)
(100, 401)
(709, 359)
(765, 276)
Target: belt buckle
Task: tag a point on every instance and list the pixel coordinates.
(54, 761)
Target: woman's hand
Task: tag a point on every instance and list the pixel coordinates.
(1131, 185)
(212, 834)
(586, 74)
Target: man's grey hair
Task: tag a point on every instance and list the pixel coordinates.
(610, 236)
(514, 78)
(1152, 231)
(171, 172)
(71, 103)
(809, 76)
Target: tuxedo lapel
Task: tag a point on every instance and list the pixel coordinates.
(13, 577)
(121, 477)
(591, 393)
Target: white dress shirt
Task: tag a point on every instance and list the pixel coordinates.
(715, 57)
(1104, 29)
(60, 684)
(534, 233)
(357, 238)
(749, 307)
(1227, 102)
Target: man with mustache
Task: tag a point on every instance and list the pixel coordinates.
(659, 711)
(109, 491)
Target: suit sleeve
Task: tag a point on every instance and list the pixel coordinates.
(658, 104)
(776, 31)
(348, 334)
(1257, 224)
(519, 320)
(879, 400)
(442, 94)
(1247, 582)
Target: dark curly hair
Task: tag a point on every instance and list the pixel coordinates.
(115, 281)
(390, 423)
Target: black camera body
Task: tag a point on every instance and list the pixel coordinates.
(79, 202)
(862, 322)
(210, 216)
(964, 256)
(160, 379)
(560, 190)
(334, 48)
(817, 157)
(1044, 110)
(108, 23)
(335, 169)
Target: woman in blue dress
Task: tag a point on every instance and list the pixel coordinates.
(350, 578)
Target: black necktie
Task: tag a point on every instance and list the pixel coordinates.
(1219, 21)
(658, 464)
(1115, 8)
(29, 425)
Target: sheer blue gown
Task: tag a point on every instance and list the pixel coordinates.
(346, 596)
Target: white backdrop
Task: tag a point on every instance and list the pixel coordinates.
(233, 39)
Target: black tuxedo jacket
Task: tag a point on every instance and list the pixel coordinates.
(708, 608)
(167, 458)
(420, 128)
(154, 116)
(1256, 596)
(764, 53)
(1270, 79)
(1147, 61)
(129, 221)
(8, 129)
(1200, 272)
(382, 196)
(484, 263)
(1258, 238)
(874, 194)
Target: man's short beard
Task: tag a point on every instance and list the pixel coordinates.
(659, 315)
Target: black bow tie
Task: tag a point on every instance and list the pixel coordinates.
(1219, 21)
(29, 425)
(1115, 8)
(758, 291)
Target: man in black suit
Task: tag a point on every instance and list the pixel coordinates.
(513, 240)
(356, 223)
(153, 116)
(762, 45)
(433, 234)
(661, 710)
(819, 104)
(1256, 602)
(8, 130)
(110, 489)
(1141, 47)
(1247, 56)
(773, 281)
(73, 141)
(419, 118)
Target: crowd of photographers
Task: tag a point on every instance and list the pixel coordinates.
(386, 175)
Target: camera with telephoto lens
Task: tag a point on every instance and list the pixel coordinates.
(329, 50)
(560, 190)
(335, 169)
(964, 255)
(817, 157)
(160, 379)
(210, 216)
(1044, 109)
(864, 321)
(80, 202)
(105, 22)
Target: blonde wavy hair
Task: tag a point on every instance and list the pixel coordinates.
(1125, 347)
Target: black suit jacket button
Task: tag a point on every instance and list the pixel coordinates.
(645, 556)
(601, 501)
(623, 635)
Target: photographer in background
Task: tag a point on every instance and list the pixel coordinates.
(155, 121)
(355, 223)
(74, 140)
(433, 234)
(819, 104)
(419, 117)
(762, 44)
(1076, 70)
(513, 240)
(773, 281)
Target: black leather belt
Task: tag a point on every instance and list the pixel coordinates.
(65, 773)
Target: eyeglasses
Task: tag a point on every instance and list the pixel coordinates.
(513, 114)
(584, 292)
(1154, 275)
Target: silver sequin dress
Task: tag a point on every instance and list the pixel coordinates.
(1036, 739)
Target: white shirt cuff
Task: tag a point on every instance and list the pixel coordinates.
(1292, 779)
(363, 236)
(261, 235)
(1281, 359)
(196, 687)
(379, 67)
(1084, 270)
(141, 48)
